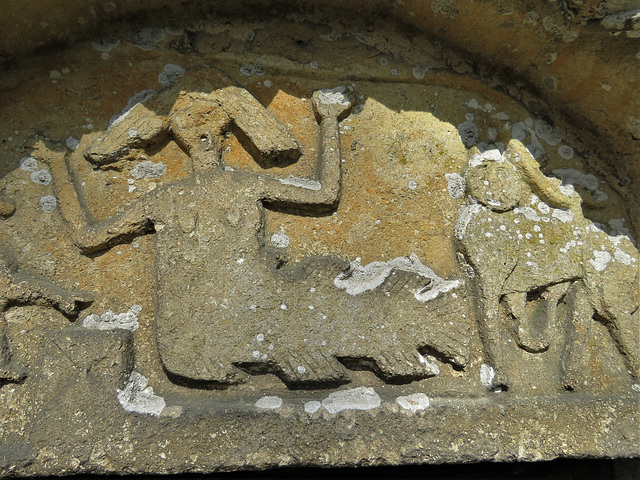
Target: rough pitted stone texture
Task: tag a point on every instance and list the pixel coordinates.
(400, 239)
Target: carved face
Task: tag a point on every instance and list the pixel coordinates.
(495, 184)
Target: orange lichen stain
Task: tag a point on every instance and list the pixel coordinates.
(236, 156)
(374, 221)
(177, 162)
(297, 116)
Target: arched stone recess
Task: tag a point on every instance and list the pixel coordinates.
(566, 59)
(316, 207)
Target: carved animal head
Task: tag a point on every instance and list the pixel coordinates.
(494, 181)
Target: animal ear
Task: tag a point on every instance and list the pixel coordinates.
(547, 188)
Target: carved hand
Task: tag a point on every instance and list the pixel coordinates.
(332, 102)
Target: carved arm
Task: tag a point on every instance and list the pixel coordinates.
(330, 106)
(20, 287)
(88, 235)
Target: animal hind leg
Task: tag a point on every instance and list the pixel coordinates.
(573, 349)
(625, 331)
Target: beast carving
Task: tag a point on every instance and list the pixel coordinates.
(524, 240)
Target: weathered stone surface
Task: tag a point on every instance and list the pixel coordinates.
(322, 238)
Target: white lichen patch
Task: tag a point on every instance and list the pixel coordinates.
(170, 74)
(468, 132)
(544, 208)
(138, 397)
(111, 321)
(269, 402)
(567, 190)
(456, 185)
(430, 362)
(334, 96)
(576, 177)
(600, 260)
(519, 131)
(565, 152)
(568, 246)
(500, 116)
(148, 169)
(465, 215)
(72, 143)
(435, 289)
(535, 148)
(620, 19)
(532, 130)
(588, 181)
(623, 257)
(28, 164)
(360, 398)
(565, 216)
(493, 155)
(420, 71)
(618, 228)
(414, 403)
(487, 373)
(41, 177)
(280, 240)
(312, 406)
(138, 97)
(473, 103)
(48, 203)
(302, 183)
(359, 279)
(528, 212)
(547, 133)
(173, 411)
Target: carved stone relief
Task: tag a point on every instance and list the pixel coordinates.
(237, 238)
(553, 263)
(230, 300)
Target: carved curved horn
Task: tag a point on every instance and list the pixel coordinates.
(548, 189)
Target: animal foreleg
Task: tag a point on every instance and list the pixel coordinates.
(625, 331)
(491, 334)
